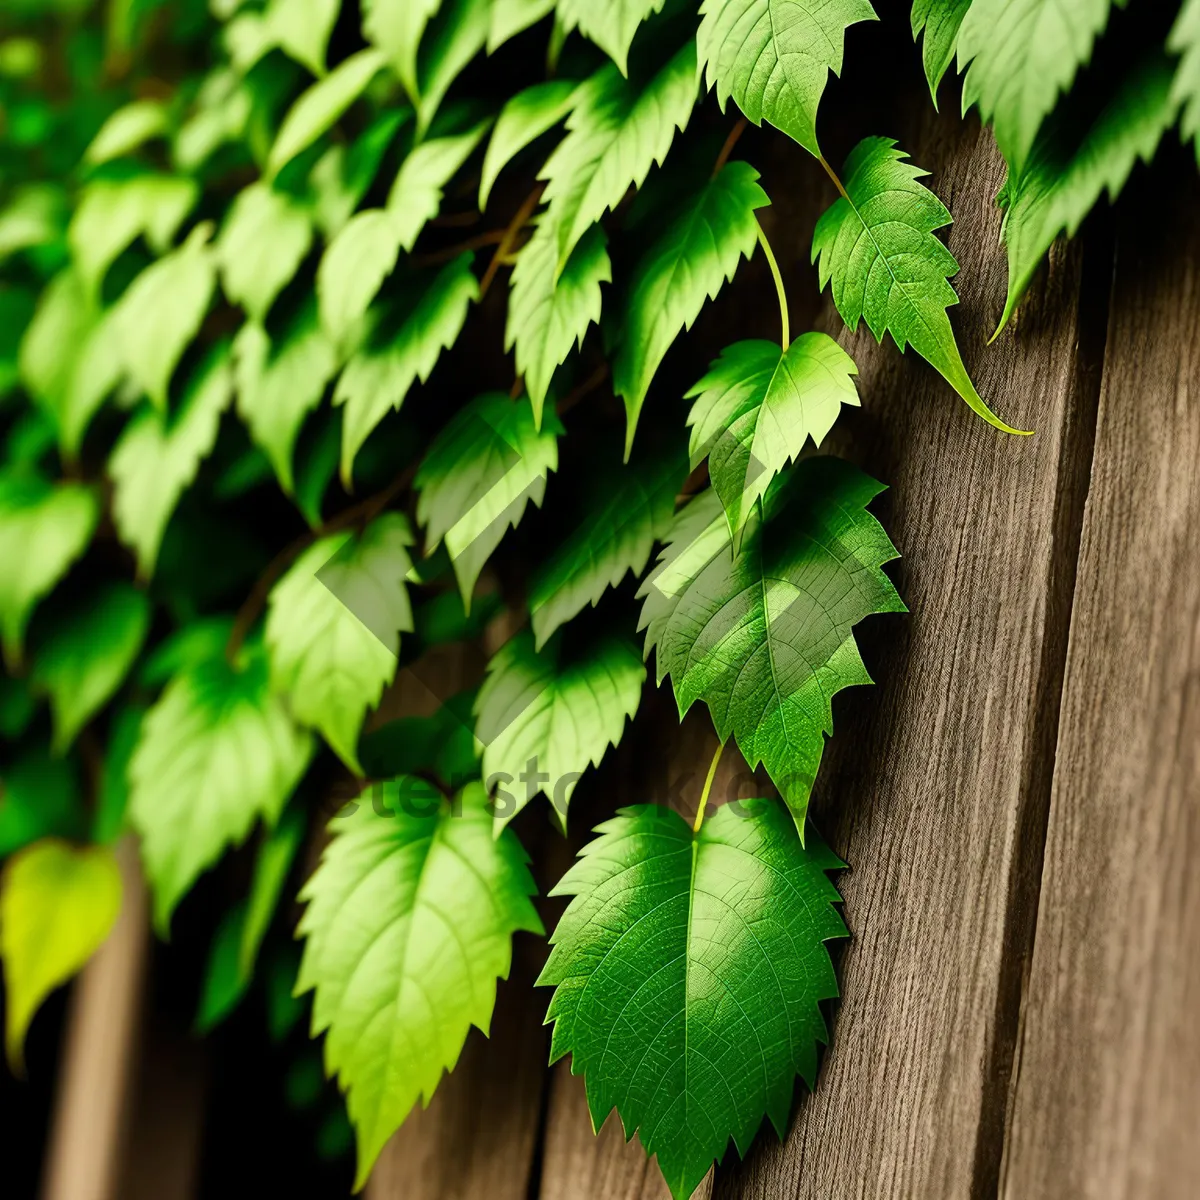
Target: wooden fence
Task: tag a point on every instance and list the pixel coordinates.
(1019, 797)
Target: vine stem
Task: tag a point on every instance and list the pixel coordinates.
(519, 221)
(708, 782)
(784, 337)
(837, 183)
(727, 149)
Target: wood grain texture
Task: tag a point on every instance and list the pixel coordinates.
(936, 783)
(97, 1080)
(1107, 1101)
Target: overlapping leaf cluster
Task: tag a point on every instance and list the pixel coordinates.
(328, 351)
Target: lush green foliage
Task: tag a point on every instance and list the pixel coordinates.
(266, 466)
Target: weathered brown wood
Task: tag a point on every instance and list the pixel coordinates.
(936, 783)
(1107, 1098)
(96, 1082)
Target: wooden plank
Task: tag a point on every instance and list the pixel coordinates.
(936, 783)
(96, 1083)
(1107, 1100)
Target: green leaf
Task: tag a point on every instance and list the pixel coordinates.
(548, 312)
(443, 743)
(881, 234)
(279, 385)
(396, 26)
(523, 119)
(320, 106)
(940, 19)
(86, 658)
(1184, 40)
(302, 28)
(333, 628)
(688, 264)
(365, 251)
(69, 358)
(410, 919)
(162, 311)
(112, 214)
(616, 132)
(32, 216)
(57, 905)
(756, 408)
(545, 721)
(510, 17)
(238, 938)
(634, 511)
(404, 346)
(774, 57)
(263, 241)
(690, 971)
(157, 457)
(39, 796)
(459, 33)
(217, 750)
(341, 177)
(130, 127)
(477, 477)
(765, 638)
(1022, 55)
(124, 730)
(610, 25)
(44, 528)
(1066, 175)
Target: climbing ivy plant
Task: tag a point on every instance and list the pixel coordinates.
(335, 335)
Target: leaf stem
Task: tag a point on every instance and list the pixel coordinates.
(727, 149)
(519, 221)
(708, 782)
(837, 183)
(784, 337)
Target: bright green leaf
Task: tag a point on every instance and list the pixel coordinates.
(217, 750)
(113, 213)
(127, 129)
(545, 721)
(616, 132)
(1022, 55)
(320, 106)
(263, 242)
(404, 346)
(57, 905)
(523, 119)
(396, 26)
(87, 656)
(611, 25)
(478, 476)
(33, 216)
(341, 177)
(510, 17)
(756, 408)
(365, 251)
(774, 57)
(279, 385)
(410, 918)
(690, 263)
(765, 637)
(161, 312)
(876, 244)
(333, 627)
(633, 512)
(546, 318)
(940, 19)
(44, 528)
(459, 33)
(302, 28)
(157, 457)
(690, 971)
(1185, 41)
(1066, 176)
